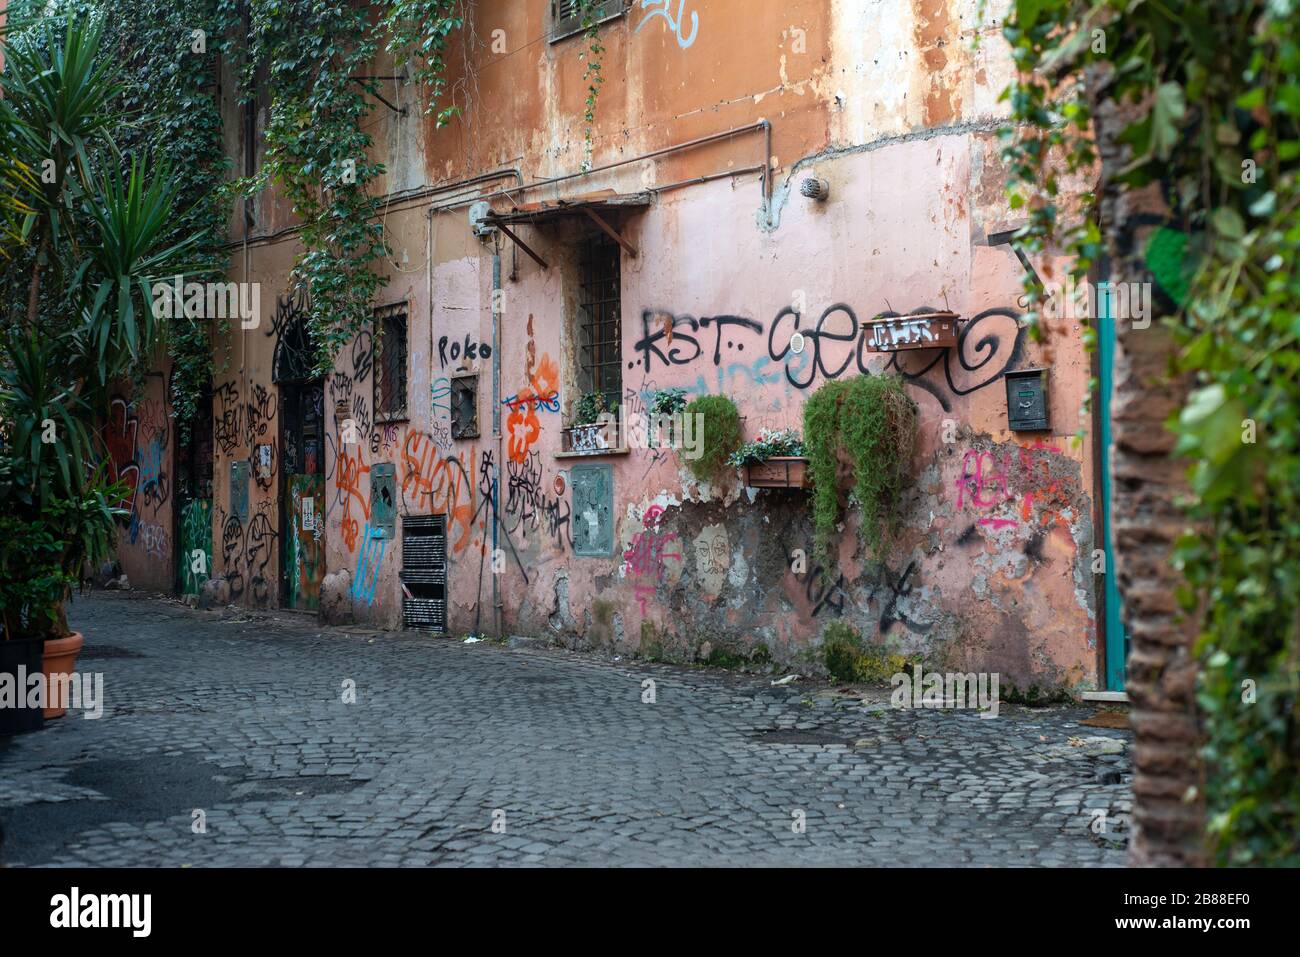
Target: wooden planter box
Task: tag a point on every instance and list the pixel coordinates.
(781, 471)
(931, 330)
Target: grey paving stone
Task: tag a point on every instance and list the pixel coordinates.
(245, 722)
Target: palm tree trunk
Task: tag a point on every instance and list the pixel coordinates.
(1162, 669)
(34, 287)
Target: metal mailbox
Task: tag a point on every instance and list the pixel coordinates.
(1027, 409)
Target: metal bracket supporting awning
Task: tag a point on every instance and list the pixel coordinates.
(518, 242)
(596, 207)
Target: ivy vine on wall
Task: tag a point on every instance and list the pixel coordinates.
(317, 60)
(591, 11)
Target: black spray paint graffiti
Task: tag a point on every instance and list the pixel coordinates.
(287, 309)
(340, 387)
(823, 593)
(246, 554)
(226, 417)
(988, 345)
(362, 356)
(258, 416)
(889, 607)
(383, 439)
(470, 351)
(232, 556)
(660, 332)
(530, 506)
(260, 544)
(361, 413)
(294, 348)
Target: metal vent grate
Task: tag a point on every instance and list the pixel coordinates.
(424, 572)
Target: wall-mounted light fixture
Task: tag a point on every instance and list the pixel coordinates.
(815, 187)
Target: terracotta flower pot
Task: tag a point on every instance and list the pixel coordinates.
(60, 660)
(19, 658)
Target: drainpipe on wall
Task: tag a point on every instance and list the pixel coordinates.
(496, 423)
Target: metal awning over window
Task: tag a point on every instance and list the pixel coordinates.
(597, 207)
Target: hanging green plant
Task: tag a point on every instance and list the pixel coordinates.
(592, 76)
(871, 421)
(419, 31)
(720, 430)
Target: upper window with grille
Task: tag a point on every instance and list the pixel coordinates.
(390, 363)
(566, 15)
(600, 317)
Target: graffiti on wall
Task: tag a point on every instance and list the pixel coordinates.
(246, 553)
(154, 485)
(120, 437)
(646, 561)
(674, 20)
(988, 344)
(195, 545)
(893, 605)
(1006, 488)
(136, 438)
(258, 415)
(712, 559)
(532, 507)
(438, 485)
(348, 472)
(541, 392)
(440, 411)
(455, 351)
(226, 416)
(152, 539)
(294, 351)
(824, 591)
(383, 439)
(369, 559)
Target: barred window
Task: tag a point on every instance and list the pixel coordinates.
(390, 363)
(600, 311)
(566, 16)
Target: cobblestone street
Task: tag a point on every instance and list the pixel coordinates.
(240, 716)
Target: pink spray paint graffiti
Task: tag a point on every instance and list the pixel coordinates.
(644, 559)
(989, 480)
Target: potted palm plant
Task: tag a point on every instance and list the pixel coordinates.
(56, 511)
(82, 246)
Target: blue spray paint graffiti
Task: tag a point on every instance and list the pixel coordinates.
(369, 558)
(440, 393)
(660, 8)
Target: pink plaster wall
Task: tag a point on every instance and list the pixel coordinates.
(992, 570)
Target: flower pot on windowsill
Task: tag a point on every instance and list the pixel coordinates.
(780, 471)
(591, 438)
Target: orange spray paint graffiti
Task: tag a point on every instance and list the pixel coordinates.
(348, 482)
(439, 486)
(542, 392)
